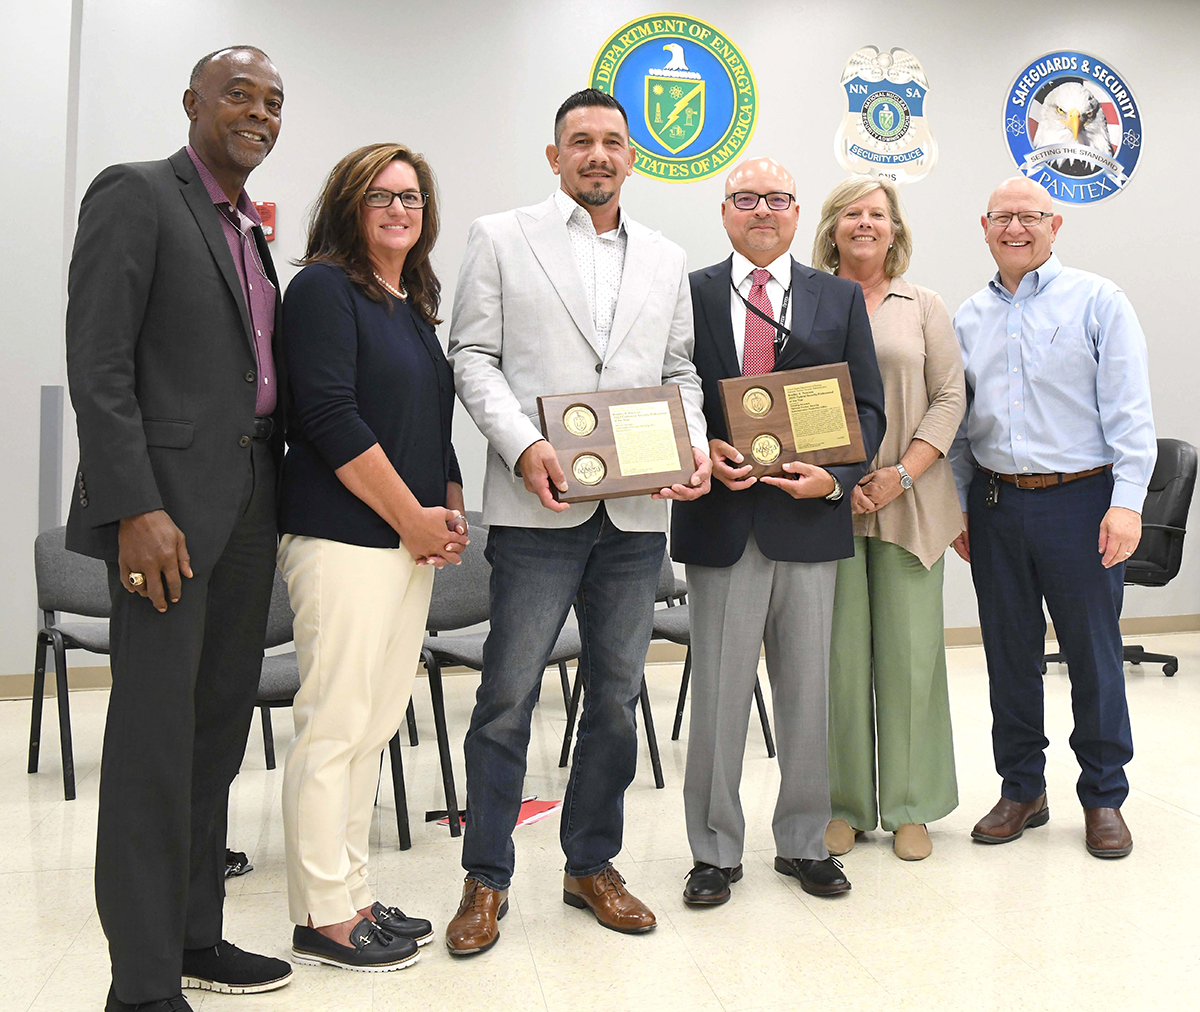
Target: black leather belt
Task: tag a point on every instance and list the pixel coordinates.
(264, 428)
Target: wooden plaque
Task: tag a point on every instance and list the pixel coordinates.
(798, 414)
(616, 443)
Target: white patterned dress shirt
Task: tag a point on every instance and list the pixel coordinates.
(601, 261)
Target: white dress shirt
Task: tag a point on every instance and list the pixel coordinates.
(601, 260)
(781, 278)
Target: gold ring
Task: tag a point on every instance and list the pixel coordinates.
(136, 579)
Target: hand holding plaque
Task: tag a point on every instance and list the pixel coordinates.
(616, 443)
(799, 414)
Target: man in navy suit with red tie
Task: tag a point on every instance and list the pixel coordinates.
(762, 554)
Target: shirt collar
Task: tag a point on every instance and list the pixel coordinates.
(780, 268)
(1038, 279)
(569, 208)
(218, 196)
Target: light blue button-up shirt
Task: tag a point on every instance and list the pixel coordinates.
(1057, 381)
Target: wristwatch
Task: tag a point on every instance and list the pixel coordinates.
(836, 494)
(905, 477)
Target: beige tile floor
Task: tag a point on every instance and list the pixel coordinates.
(1037, 924)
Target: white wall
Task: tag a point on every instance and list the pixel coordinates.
(474, 85)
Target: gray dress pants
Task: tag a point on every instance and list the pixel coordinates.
(788, 607)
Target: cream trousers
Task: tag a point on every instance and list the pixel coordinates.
(360, 622)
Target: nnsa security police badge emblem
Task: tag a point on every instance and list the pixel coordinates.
(884, 132)
(693, 89)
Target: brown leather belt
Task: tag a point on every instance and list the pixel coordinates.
(1045, 480)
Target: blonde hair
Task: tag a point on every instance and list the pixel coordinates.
(825, 255)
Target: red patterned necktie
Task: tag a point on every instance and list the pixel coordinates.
(758, 355)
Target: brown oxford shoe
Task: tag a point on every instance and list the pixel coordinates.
(1107, 835)
(475, 928)
(605, 896)
(1009, 819)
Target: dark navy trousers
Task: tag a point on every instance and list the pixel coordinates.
(1040, 544)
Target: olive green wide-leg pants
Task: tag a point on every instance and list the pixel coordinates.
(887, 682)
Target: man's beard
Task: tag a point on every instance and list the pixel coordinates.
(596, 197)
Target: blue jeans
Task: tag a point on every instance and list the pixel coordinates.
(611, 577)
(1035, 544)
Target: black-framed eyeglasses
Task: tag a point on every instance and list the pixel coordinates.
(745, 200)
(414, 200)
(1002, 219)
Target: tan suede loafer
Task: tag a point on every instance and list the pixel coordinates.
(911, 842)
(476, 928)
(605, 896)
(1106, 832)
(1009, 819)
(840, 837)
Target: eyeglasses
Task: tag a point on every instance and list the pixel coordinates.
(1002, 219)
(744, 200)
(412, 199)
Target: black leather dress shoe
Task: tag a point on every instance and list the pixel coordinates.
(820, 878)
(394, 921)
(176, 1004)
(371, 949)
(226, 968)
(708, 886)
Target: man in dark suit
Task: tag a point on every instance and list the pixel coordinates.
(762, 554)
(173, 306)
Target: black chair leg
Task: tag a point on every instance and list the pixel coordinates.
(572, 713)
(443, 739)
(400, 793)
(762, 716)
(39, 696)
(566, 685)
(1137, 654)
(64, 716)
(268, 736)
(683, 689)
(410, 718)
(651, 737)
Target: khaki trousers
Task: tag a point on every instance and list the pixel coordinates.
(360, 622)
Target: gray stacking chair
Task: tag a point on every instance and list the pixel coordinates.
(77, 584)
(673, 624)
(460, 600)
(280, 681)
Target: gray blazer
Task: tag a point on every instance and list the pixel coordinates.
(521, 328)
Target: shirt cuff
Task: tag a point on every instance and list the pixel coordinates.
(1128, 495)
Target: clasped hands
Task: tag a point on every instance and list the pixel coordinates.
(801, 480)
(539, 468)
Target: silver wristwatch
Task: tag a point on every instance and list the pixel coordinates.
(905, 477)
(836, 494)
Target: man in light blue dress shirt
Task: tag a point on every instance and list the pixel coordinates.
(1052, 464)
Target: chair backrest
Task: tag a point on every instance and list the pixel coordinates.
(280, 617)
(67, 581)
(460, 593)
(666, 580)
(1164, 516)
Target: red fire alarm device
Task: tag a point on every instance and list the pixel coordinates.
(266, 211)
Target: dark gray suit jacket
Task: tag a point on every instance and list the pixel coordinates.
(160, 360)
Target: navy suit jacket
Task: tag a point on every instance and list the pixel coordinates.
(829, 324)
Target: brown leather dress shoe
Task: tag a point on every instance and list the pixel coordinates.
(606, 896)
(475, 928)
(1107, 835)
(1009, 819)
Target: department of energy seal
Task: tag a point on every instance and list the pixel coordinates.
(1072, 126)
(588, 469)
(884, 132)
(688, 91)
(579, 420)
(765, 448)
(756, 401)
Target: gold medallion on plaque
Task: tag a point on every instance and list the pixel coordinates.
(765, 448)
(579, 421)
(756, 401)
(588, 469)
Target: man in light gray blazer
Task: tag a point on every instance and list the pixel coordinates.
(566, 296)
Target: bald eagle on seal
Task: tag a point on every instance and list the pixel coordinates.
(1072, 114)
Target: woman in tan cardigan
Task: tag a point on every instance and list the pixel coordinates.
(887, 672)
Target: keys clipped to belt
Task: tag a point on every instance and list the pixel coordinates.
(993, 491)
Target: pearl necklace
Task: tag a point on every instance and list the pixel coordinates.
(401, 294)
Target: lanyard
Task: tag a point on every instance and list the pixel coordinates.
(782, 333)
